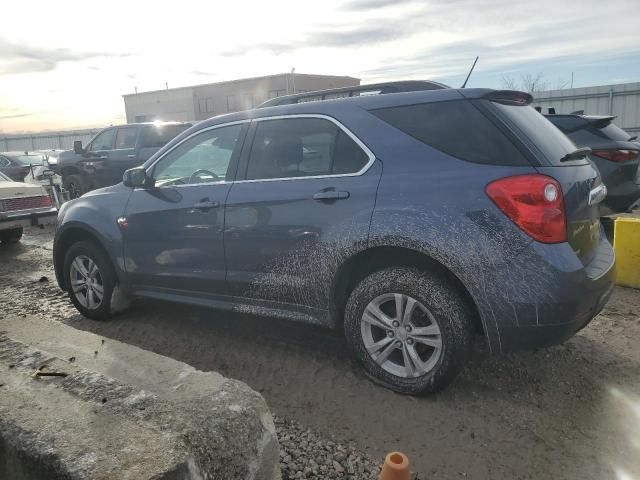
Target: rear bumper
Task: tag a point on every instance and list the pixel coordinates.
(545, 295)
(28, 218)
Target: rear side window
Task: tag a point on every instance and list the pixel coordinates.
(456, 128)
(553, 144)
(302, 147)
(158, 136)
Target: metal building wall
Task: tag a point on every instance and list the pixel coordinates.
(45, 141)
(622, 100)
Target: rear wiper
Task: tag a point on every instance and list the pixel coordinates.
(576, 154)
(631, 139)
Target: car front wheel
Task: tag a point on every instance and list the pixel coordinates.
(410, 330)
(90, 280)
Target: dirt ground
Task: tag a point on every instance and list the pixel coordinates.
(571, 411)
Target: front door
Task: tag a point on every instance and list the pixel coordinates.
(173, 231)
(302, 202)
(123, 156)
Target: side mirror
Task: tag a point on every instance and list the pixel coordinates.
(77, 147)
(135, 177)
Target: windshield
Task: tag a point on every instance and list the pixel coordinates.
(30, 159)
(546, 137)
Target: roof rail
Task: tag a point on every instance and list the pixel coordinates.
(355, 91)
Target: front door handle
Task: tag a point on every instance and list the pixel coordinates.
(131, 156)
(330, 195)
(206, 204)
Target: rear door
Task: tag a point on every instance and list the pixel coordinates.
(581, 184)
(304, 197)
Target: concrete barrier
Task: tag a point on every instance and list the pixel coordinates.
(626, 243)
(74, 405)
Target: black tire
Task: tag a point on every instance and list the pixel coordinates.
(74, 185)
(107, 277)
(10, 236)
(447, 308)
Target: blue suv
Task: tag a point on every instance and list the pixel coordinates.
(411, 220)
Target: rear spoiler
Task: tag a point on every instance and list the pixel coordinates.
(600, 121)
(509, 97)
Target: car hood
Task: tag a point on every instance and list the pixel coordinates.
(118, 188)
(19, 189)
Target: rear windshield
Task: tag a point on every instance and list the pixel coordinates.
(585, 133)
(456, 128)
(158, 136)
(553, 144)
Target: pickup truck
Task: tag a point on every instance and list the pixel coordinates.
(112, 151)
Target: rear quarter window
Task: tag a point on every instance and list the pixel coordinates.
(457, 128)
(544, 135)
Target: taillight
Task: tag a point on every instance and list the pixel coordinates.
(46, 201)
(534, 203)
(616, 155)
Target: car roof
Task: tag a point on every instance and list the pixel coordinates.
(155, 124)
(365, 102)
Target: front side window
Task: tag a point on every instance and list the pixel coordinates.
(302, 147)
(204, 158)
(126, 137)
(104, 141)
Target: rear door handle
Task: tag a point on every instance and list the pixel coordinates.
(131, 156)
(206, 204)
(331, 195)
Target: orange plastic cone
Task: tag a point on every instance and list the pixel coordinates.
(396, 467)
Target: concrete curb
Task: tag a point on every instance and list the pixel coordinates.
(120, 412)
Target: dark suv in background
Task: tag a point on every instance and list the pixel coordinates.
(112, 151)
(410, 220)
(614, 152)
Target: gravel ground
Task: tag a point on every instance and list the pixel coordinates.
(571, 411)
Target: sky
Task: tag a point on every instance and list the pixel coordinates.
(66, 64)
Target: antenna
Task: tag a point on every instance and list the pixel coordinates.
(469, 74)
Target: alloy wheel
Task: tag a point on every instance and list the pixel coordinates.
(86, 282)
(401, 335)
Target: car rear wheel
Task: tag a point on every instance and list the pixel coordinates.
(74, 185)
(90, 280)
(12, 235)
(410, 330)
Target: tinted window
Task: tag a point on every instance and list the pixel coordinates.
(126, 137)
(586, 134)
(4, 178)
(457, 128)
(4, 162)
(30, 159)
(103, 141)
(158, 136)
(203, 158)
(541, 132)
(302, 147)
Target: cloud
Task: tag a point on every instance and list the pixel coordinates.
(18, 115)
(359, 5)
(18, 58)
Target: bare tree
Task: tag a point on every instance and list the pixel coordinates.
(509, 83)
(532, 83)
(527, 83)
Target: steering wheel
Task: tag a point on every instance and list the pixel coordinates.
(196, 174)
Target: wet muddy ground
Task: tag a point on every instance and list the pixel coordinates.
(571, 411)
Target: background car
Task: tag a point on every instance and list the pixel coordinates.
(15, 165)
(22, 204)
(112, 151)
(614, 152)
